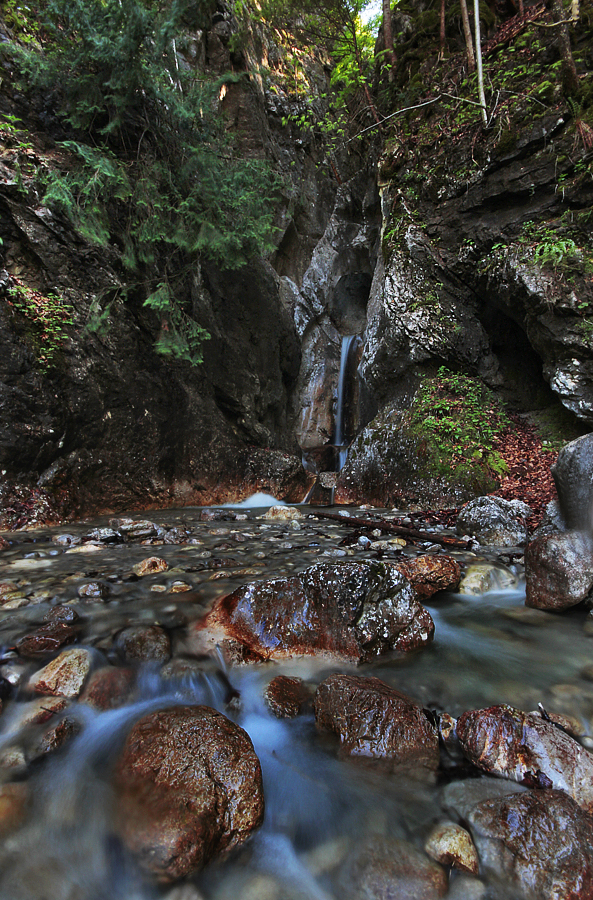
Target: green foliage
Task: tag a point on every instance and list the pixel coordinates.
(457, 420)
(152, 170)
(44, 319)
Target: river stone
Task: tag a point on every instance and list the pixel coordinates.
(144, 643)
(14, 801)
(451, 845)
(494, 521)
(283, 513)
(109, 688)
(390, 869)
(573, 474)
(527, 749)
(355, 611)
(482, 577)
(558, 570)
(189, 787)
(150, 566)
(46, 640)
(94, 590)
(65, 675)
(431, 573)
(540, 841)
(376, 721)
(286, 696)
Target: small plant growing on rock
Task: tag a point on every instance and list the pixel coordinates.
(457, 421)
(44, 319)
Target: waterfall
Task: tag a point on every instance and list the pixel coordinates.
(340, 437)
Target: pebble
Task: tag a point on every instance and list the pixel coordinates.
(152, 565)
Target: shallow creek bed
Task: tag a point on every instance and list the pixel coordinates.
(116, 782)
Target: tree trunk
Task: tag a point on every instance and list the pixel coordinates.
(570, 79)
(388, 37)
(467, 33)
(443, 36)
(479, 61)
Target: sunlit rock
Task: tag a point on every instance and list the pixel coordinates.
(150, 566)
(451, 845)
(65, 675)
(189, 787)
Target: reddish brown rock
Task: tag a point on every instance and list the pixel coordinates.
(65, 675)
(286, 696)
(189, 786)
(391, 869)
(150, 566)
(144, 643)
(46, 640)
(14, 800)
(55, 738)
(431, 573)
(558, 570)
(374, 720)
(524, 747)
(540, 841)
(109, 688)
(355, 611)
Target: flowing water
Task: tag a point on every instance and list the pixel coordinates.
(340, 439)
(488, 649)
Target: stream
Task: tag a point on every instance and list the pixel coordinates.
(488, 649)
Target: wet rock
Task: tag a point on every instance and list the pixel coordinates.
(540, 841)
(431, 573)
(6, 589)
(94, 590)
(109, 688)
(218, 515)
(47, 640)
(376, 721)
(189, 787)
(558, 570)
(105, 535)
(527, 749)
(573, 474)
(144, 643)
(56, 737)
(150, 566)
(180, 587)
(388, 869)
(14, 801)
(283, 513)
(495, 521)
(65, 675)
(451, 845)
(90, 547)
(482, 577)
(285, 696)
(355, 611)
(61, 613)
(37, 712)
(134, 528)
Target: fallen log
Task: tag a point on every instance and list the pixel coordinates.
(402, 530)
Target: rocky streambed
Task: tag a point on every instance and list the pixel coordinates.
(214, 704)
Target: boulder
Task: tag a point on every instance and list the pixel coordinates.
(109, 688)
(46, 640)
(495, 521)
(451, 845)
(431, 573)
(390, 869)
(540, 841)
(375, 721)
(526, 748)
(354, 611)
(189, 787)
(573, 474)
(558, 570)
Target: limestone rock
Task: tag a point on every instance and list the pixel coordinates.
(375, 721)
(527, 749)
(495, 521)
(451, 845)
(189, 787)
(573, 474)
(65, 675)
(431, 573)
(540, 841)
(355, 611)
(558, 570)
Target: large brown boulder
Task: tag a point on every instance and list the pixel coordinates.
(558, 570)
(540, 840)
(354, 611)
(526, 748)
(189, 786)
(374, 720)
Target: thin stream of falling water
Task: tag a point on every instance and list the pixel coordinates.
(340, 437)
